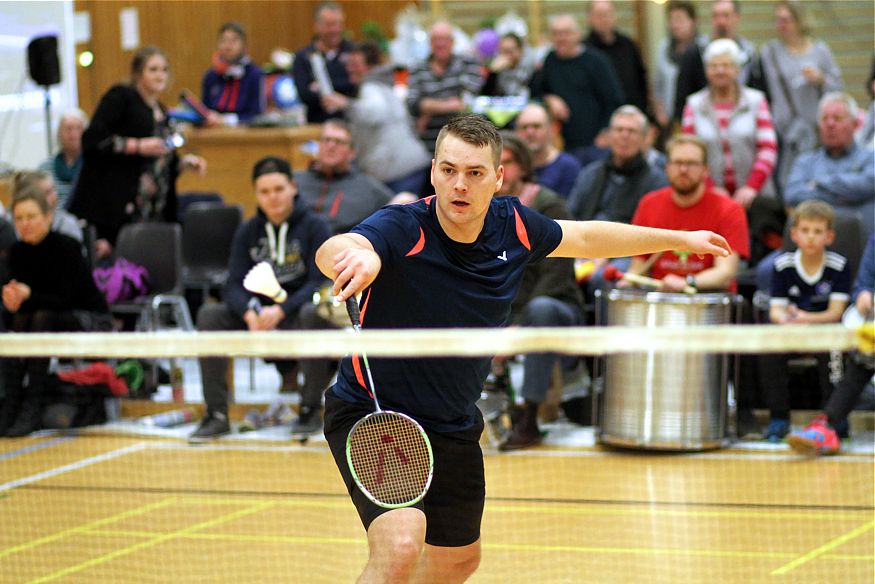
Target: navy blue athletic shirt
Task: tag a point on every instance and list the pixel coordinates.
(427, 280)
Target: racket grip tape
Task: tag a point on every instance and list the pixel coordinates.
(352, 309)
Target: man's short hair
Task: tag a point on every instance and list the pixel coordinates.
(543, 108)
(631, 110)
(234, 27)
(521, 154)
(813, 210)
(838, 96)
(684, 5)
(736, 4)
(339, 123)
(687, 139)
(325, 6)
(24, 179)
(271, 164)
(475, 130)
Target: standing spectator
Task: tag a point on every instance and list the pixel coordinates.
(62, 220)
(683, 34)
(690, 203)
(809, 286)
(725, 21)
(437, 88)
(734, 121)
(866, 134)
(328, 41)
(548, 295)
(510, 72)
(332, 188)
(554, 169)
(66, 164)
(798, 70)
(622, 51)
(839, 172)
(382, 131)
(129, 170)
(234, 85)
(286, 235)
(821, 435)
(50, 290)
(580, 88)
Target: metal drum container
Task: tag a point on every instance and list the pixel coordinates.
(665, 401)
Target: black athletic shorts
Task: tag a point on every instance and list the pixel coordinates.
(453, 505)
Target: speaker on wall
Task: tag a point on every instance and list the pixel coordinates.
(42, 60)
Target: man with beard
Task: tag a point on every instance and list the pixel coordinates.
(690, 204)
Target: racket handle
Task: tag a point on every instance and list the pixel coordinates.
(352, 309)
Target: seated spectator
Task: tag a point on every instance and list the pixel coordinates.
(548, 295)
(328, 42)
(839, 172)
(333, 188)
(287, 235)
(609, 190)
(65, 165)
(437, 88)
(690, 203)
(554, 169)
(809, 286)
(822, 435)
(7, 238)
(382, 131)
(50, 290)
(234, 84)
(510, 72)
(735, 123)
(62, 220)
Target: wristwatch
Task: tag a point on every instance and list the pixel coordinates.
(691, 281)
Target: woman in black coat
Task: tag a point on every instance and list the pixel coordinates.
(130, 164)
(50, 290)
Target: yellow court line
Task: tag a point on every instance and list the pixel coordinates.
(823, 549)
(152, 542)
(88, 526)
(572, 508)
(247, 537)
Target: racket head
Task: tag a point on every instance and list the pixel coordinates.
(390, 458)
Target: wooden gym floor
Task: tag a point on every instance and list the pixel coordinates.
(105, 508)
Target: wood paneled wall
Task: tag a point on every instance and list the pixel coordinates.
(187, 31)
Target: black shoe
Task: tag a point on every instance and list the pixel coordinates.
(213, 425)
(525, 432)
(309, 422)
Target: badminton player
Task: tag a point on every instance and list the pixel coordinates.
(452, 260)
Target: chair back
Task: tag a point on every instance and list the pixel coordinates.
(158, 248)
(848, 240)
(207, 234)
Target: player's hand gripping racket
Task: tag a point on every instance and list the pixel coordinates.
(388, 453)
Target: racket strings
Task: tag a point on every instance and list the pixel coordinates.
(391, 458)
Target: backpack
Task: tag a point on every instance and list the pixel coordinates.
(122, 280)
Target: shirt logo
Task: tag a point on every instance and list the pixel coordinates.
(503, 256)
(794, 291)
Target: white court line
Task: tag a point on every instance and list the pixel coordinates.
(74, 466)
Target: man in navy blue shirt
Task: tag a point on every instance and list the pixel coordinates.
(452, 260)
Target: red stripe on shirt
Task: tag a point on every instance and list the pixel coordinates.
(521, 232)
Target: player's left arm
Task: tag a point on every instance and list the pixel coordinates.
(604, 239)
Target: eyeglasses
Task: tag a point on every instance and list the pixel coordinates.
(332, 140)
(691, 164)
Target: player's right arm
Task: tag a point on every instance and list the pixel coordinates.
(350, 261)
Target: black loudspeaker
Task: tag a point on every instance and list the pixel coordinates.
(42, 60)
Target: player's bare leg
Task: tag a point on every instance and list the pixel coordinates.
(395, 541)
(447, 565)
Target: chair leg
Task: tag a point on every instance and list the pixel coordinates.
(252, 375)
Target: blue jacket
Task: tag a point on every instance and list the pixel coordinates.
(244, 96)
(866, 274)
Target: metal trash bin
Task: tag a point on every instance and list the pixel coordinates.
(665, 401)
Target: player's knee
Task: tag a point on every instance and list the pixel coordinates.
(401, 561)
(468, 565)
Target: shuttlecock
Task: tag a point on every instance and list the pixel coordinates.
(261, 280)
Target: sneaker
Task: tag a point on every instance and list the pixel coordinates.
(778, 428)
(309, 422)
(213, 425)
(816, 438)
(525, 432)
(251, 422)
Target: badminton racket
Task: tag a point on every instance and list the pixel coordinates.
(388, 453)
(611, 273)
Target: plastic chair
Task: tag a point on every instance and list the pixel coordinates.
(158, 248)
(207, 232)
